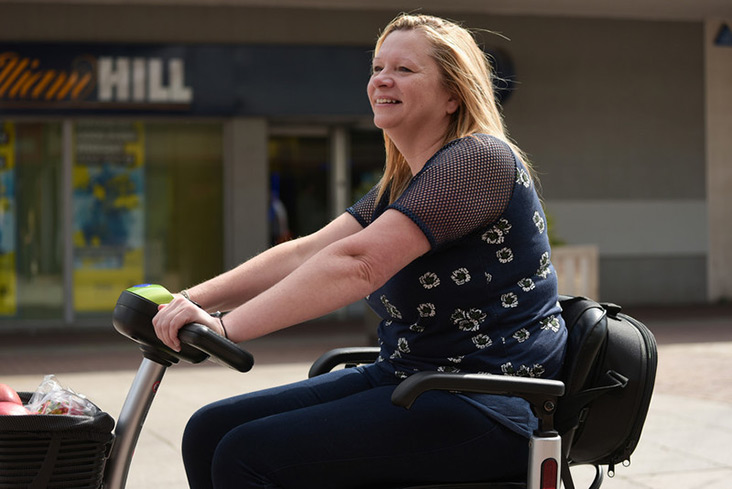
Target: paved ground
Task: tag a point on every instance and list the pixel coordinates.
(684, 443)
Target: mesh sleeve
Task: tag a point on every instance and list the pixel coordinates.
(364, 209)
(466, 186)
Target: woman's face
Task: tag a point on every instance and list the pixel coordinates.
(406, 88)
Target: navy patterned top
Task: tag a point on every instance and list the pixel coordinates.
(484, 298)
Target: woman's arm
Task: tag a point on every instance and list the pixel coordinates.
(340, 274)
(316, 282)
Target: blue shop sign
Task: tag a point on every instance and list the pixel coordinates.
(183, 79)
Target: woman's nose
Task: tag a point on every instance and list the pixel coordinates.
(382, 79)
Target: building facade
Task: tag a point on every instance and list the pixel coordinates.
(168, 141)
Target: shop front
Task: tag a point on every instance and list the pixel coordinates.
(125, 164)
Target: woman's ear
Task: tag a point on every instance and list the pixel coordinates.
(453, 104)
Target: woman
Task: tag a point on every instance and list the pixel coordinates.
(450, 248)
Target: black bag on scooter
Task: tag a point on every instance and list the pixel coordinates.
(51, 451)
(608, 386)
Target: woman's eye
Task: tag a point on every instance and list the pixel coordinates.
(379, 69)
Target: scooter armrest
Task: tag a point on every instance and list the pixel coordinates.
(536, 391)
(340, 356)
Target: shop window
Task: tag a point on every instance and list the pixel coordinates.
(146, 202)
(31, 238)
(108, 167)
(147, 208)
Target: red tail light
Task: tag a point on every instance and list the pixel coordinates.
(549, 474)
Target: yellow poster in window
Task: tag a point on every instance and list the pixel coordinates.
(109, 226)
(8, 275)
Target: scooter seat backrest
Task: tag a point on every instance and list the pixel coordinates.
(586, 323)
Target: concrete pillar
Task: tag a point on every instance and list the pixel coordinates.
(246, 189)
(718, 75)
(340, 174)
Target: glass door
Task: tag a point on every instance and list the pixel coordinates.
(299, 169)
(307, 166)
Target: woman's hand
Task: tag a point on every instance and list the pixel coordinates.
(179, 312)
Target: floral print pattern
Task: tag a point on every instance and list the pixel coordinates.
(536, 370)
(390, 309)
(497, 233)
(466, 308)
(509, 300)
(504, 255)
(526, 284)
(468, 320)
(539, 222)
(521, 335)
(426, 310)
(461, 276)
(473, 319)
(482, 341)
(429, 280)
(417, 328)
(551, 323)
(523, 178)
(543, 271)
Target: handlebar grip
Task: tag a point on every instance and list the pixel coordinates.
(220, 349)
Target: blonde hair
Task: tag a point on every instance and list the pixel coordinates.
(467, 74)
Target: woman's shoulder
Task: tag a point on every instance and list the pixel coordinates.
(480, 143)
(478, 147)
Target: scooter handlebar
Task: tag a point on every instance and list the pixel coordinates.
(220, 349)
(132, 317)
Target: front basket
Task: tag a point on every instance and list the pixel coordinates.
(50, 451)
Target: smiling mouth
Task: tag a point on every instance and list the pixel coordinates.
(387, 101)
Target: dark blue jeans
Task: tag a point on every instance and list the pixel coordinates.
(341, 431)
